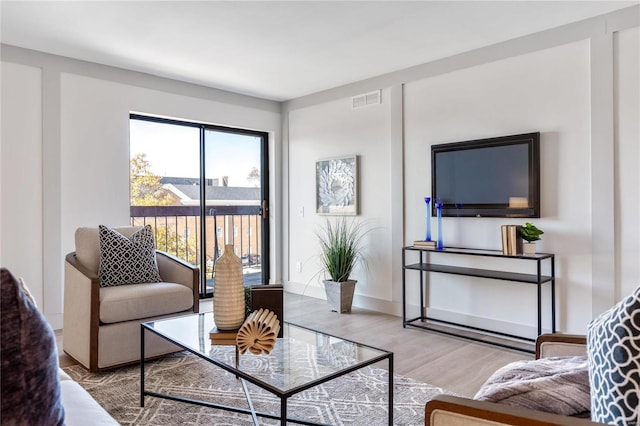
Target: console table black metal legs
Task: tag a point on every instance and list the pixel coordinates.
(425, 265)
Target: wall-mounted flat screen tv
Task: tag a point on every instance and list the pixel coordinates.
(496, 177)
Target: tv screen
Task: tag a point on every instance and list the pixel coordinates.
(496, 177)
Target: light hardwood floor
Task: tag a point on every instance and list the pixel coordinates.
(455, 364)
(452, 363)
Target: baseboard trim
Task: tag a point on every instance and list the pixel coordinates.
(395, 309)
(359, 301)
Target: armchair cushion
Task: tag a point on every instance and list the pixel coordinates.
(127, 260)
(31, 392)
(558, 385)
(613, 346)
(134, 302)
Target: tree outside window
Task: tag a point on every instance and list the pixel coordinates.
(146, 190)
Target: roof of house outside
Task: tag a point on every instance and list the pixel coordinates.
(188, 189)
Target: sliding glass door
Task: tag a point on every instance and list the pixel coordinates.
(235, 211)
(202, 187)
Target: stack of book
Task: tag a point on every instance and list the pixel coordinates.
(223, 337)
(511, 240)
(424, 244)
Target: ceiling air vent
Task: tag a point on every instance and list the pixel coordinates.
(371, 98)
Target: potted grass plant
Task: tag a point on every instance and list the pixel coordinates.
(341, 251)
(530, 233)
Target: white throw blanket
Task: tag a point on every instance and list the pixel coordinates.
(557, 385)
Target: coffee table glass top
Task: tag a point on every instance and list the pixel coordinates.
(301, 357)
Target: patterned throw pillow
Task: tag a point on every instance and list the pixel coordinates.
(613, 347)
(127, 260)
(30, 382)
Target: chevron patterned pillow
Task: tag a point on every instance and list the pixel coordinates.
(129, 260)
(613, 347)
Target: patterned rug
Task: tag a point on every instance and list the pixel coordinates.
(359, 398)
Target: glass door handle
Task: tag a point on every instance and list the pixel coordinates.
(264, 209)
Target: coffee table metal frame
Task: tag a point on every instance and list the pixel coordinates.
(245, 377)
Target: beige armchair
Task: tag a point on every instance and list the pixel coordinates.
(101, 326)
(453, 410)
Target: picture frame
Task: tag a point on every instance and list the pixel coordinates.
(337, 186)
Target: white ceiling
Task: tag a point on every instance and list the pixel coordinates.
(277, 50)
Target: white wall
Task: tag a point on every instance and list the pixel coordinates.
(70, 167)
(21, 179)
(329, 130)
(627, 126)
(562, 83)
(96, 110)
(545, 91)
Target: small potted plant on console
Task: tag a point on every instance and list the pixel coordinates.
(530, 234)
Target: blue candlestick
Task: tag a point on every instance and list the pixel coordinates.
(439, 245)
(427, 200)
(458, 207)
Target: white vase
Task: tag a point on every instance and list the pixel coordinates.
(228, 291)
(529, 248)
(339, 295)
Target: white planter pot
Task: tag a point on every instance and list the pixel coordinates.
(339, 295)
(529, 248)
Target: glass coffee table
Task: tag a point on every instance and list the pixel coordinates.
(301, 359)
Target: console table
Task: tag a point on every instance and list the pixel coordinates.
(424, 266)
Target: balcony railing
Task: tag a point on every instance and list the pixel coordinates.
(177, 231)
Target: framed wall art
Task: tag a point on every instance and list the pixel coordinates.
(337, 186)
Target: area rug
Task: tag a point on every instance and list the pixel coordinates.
(359, 398)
